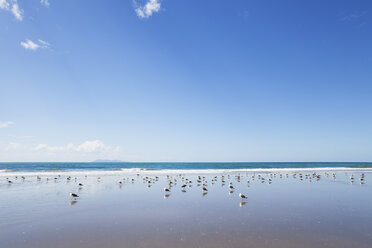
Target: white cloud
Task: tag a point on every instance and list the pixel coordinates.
(30, 45)
(12, 6)
(95, 146)
(7, 123)
(45, 2)
(41, 147)
(152, 6)
(17, 12)
(27, 150)
(92, 146)
(68, 147)
(4, 4)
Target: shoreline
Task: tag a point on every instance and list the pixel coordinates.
(142, 171)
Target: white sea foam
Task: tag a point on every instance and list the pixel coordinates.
(144, 171)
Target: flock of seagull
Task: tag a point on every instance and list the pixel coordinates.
(187, 183)
(202, 181)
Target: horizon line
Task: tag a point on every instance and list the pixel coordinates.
(185, 162)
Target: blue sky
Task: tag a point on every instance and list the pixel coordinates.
(171, 80)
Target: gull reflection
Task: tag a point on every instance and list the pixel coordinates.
(166, 196)
(242, 203)
(72, 203)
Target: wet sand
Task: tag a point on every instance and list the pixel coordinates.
(291, 209)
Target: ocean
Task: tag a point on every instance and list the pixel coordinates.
(166, 166)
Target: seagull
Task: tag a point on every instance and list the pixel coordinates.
(231, 187)
(166, 190)
(73, 195)
(205, 189)
(80, 184)
(242, 196)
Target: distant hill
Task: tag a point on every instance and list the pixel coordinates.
(106, 161)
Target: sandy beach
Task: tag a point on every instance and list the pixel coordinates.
(283, 209)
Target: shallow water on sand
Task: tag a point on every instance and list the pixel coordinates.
(289, 212)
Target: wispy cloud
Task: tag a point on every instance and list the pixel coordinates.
(12, 6)
(145, 11)
(44, 44)
(17, 12)
(6, 124)
(45, 3)
(45, 147)
(30, 45)
(95, 146)
(23, 137)
(354, 16)
(13, 146)
(27, 150)
(4, 4)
